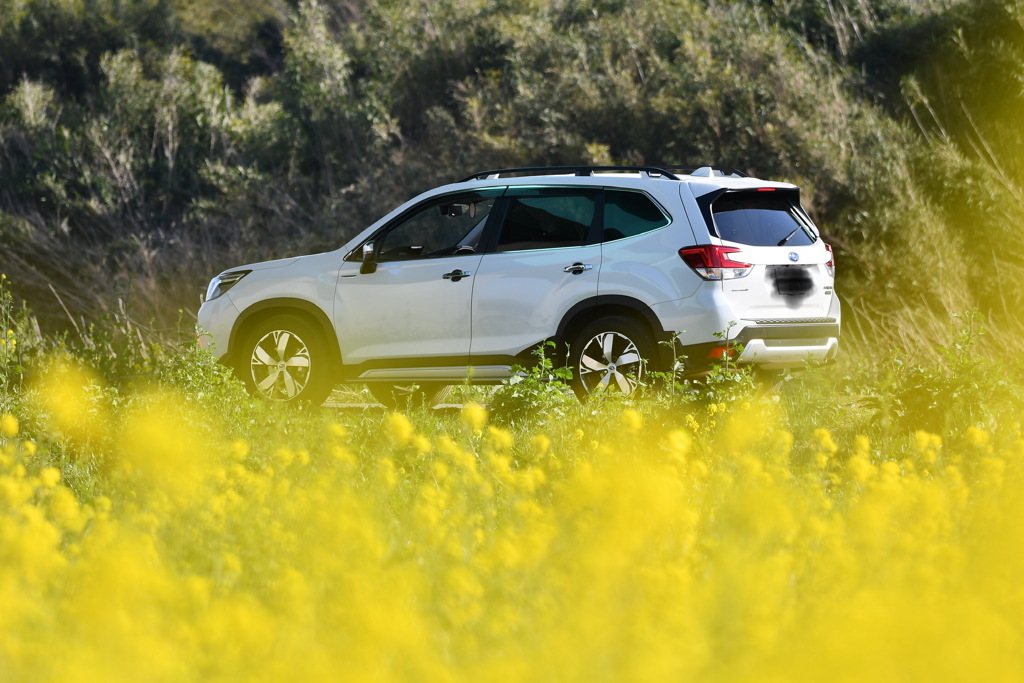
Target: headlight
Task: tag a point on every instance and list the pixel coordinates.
(223, 283)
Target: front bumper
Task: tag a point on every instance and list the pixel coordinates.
(213, 325)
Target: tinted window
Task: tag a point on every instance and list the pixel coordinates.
(452, 225)
(630, 213)
(760, 220)
(545, 222)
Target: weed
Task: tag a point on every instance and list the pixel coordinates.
(536, 393)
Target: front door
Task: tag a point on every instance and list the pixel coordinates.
(416, 304)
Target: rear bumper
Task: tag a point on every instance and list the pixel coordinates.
(776, 346)
(769, 345)
(777, 357)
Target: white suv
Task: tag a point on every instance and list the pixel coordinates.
(619, 266)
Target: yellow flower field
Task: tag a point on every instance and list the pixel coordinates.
(699, 542)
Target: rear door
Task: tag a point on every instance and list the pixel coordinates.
(545, 259)
(790, 276)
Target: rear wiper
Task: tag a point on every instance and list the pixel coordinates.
(787, 237)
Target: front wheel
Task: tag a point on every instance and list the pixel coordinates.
(405, 396)
(284, 359)
(609, 355)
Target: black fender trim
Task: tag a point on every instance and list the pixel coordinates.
(285, 306)
(612, 304)
(609, 301)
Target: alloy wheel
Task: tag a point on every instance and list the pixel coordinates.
(280, 365)
(610, 361)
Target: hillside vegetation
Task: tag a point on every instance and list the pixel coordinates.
(146, 146)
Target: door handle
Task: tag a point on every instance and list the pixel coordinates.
(578, 268)
(457, 275)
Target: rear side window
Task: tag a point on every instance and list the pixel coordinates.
(630, 213)
(545, 222)
(760, 220)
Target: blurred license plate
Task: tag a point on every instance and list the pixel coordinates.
(792, 280)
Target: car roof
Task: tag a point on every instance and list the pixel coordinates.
(705, 179)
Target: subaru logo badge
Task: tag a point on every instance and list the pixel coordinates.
(793, 256)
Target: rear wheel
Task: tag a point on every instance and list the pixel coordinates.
(404, 396)
(284, 359)
(609, 355)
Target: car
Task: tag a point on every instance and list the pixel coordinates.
(626, 269)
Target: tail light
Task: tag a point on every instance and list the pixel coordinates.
(831, 265)
(712, 262)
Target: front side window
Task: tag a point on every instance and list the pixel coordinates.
(444, 227)
(547, 221)
(627, 214)
(761, 220)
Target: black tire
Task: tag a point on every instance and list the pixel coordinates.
(405, 396)
(609, 354)
(284, 359)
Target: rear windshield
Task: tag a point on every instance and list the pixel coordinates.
(760, 221)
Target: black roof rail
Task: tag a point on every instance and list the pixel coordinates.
(708, 171)
(575, 170)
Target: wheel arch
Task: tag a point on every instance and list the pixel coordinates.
(586, 312)
(300, 308)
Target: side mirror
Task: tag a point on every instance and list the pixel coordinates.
(369, 258)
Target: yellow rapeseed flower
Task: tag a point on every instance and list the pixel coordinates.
(541, 445)
(825, 442)
(400, 428)
(826, 448)
(158, 454)
(50, 477)
(67, 394)
(927, 447)
(976, 437)
(499, 439)
(679, 444)
(861, 469)
(440, 471)
(386, 468)
(632, 420)
(285, 456)
(991, 472)
(474, 416)
(65, 510)
(239, 450)
(8, 426)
